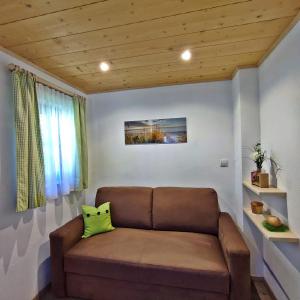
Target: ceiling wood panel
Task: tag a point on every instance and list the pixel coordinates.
(219, 17)
(147, 69)
(160, 65)
(173, 43)
(165, 79)
(12, 11)
(200, 53)
(101, 15)
(142, 39)
(124, 77)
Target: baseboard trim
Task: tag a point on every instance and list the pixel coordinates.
(42, 292)
(262, 288)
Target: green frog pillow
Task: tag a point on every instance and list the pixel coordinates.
(96, 220)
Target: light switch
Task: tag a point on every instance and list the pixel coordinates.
(224, 163)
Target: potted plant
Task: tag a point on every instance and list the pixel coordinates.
(257, 177)
(258, 156)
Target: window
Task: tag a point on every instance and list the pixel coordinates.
(59, 142)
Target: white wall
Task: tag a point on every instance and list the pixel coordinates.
(208, 109)
(237, 134)
(246, 135)
(271, 114)
(279, 79)
(246, 129)
(24, 242)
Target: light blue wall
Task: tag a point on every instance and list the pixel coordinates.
(279, 87)
(24, 242)
(208, 109)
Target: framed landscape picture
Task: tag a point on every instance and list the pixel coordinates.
(157, 131)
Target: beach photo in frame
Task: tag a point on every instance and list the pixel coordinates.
(156, 131)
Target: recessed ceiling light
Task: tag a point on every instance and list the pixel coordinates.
(104, 66)
(186, 55)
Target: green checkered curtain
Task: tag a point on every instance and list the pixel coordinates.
(30, 162)
(81, 139)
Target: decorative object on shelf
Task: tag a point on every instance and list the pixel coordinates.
(273, 223)
(258, 156)
(273, 220)
(280, 228)
(259, 178)
(275, 236)
(257, 207)
(157, 131)
(274, 169)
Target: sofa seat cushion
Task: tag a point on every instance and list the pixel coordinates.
(179, 259)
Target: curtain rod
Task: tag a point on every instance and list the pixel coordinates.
(13, 67)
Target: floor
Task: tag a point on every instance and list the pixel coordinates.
(260, 291)
(47, 295)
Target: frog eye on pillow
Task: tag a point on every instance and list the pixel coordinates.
(96, 219)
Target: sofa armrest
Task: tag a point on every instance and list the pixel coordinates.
(237, 257)
(61, 240)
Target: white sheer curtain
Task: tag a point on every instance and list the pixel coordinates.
(59, 141)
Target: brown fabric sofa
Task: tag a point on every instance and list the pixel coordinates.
(170, 243)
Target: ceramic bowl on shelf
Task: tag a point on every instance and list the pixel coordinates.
(257, 207)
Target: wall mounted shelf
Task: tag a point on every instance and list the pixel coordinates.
(288, 236)
(264, 191)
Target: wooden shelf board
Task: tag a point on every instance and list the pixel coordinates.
(264, 191)
(288, 237)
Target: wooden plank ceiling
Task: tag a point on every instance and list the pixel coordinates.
(142, 39)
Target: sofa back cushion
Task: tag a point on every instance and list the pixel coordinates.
(185, 209)
(130, 206)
